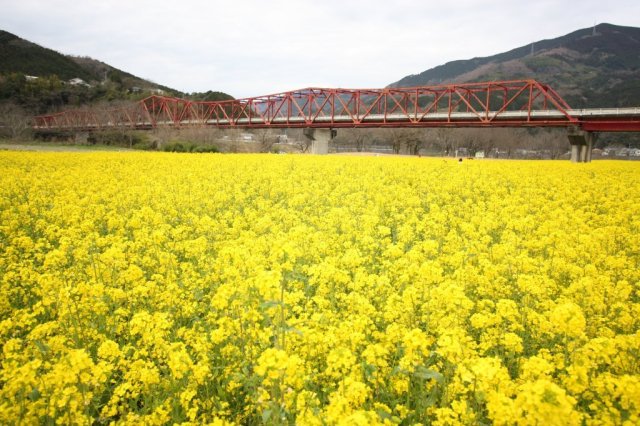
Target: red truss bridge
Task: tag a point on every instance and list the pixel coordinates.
(519, 103)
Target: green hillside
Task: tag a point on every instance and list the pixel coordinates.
(38, 79)
(21, 56)
(588, 68)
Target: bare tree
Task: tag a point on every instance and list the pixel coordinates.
(401, 139)
(471, 139)
(504, 141)
(553, 142)
(414, 140)
(358, 139)
(162, 135)
(445, 141)
(302, 143)
(429, 138)
(488, 140)
(362, 139)
(266, 138)
(201, 134)
(14, 122)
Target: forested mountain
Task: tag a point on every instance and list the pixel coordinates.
(592, 67)
(21, 56)
(41, 80)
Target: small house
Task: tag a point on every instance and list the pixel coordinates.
(78, 82)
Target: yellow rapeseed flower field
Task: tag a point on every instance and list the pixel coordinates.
(149, 288)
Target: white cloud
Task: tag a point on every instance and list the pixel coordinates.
(253, 47)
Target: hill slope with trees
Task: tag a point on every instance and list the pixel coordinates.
(592, 67)
(39, 80)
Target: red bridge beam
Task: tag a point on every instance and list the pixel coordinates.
(611, 126)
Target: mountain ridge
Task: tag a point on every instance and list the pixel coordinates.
(40, 79)
(18, 55)
(590, 67)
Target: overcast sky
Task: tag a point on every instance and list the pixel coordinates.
(257, 47)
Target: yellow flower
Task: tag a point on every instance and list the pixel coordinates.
(568, 319)
(150, 288)
(109, 350)
(545, 402)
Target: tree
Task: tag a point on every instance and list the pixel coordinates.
(401, 139)
(14, 122)
(358, 139)
(445, 141)
(414, 140)
(471, 139)
(12, 85)
(553, 142)
(362, 139)
(303, 144)
(266, 138)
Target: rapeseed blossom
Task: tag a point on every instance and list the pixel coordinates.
(149, 288)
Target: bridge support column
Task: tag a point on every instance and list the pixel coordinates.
(575, 153)
(581, 145)
(591, 141)
(320, 139)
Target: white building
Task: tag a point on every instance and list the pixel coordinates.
(78, 82)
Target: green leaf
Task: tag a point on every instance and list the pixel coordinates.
(290, 329)
(424, 373)
(43, 348)
(266, 415)
(34, 395)
(383, 414)
(270, 304)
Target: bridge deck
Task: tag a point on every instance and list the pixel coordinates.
(439, 119)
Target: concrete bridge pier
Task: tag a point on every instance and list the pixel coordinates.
(320, 139)
(581, 145)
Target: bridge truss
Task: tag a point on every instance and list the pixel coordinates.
(519, 103)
